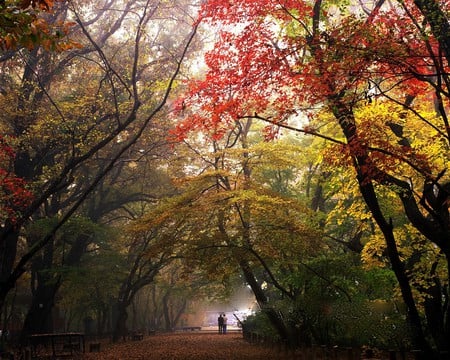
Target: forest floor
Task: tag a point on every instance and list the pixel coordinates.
(201, 345)
(184, 346)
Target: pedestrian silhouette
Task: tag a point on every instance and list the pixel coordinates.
(220, 323)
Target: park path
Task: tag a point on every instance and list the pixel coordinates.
(185, 346)
(201, 345)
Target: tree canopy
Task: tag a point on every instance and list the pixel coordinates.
(307, 156)
(287, 62)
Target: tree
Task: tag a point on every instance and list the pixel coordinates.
(54, 145)
(147, 253)
(229, 212)
(179, 286)
(50, 267)
(13, 190)
(88, 289)
(276, 61)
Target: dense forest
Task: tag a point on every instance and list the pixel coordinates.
(157, 154)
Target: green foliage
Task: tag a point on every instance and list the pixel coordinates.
(340, 303)
(77, 227)
(89, 288)
(259, 323)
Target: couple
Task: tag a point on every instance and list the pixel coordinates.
(222, 321)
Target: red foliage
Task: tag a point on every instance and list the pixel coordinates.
(41, 4)
(14, 196)
(270, 60)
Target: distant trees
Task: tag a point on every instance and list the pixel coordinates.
(236, 215)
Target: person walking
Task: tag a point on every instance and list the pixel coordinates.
(224, 326)
(220, 323)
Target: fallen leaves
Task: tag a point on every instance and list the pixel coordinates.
(184, 346)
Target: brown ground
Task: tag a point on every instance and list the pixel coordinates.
(212, 346)
(184, 346)
(200, 345)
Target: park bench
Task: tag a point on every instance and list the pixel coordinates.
(191, 328)
(136, 335)
(56, 345)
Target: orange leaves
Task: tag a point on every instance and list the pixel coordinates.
(267, 55)
(182, 346)
(245, 72)
(40, 4)
(232, 12)
(271, 60)
(14, 195)
(22, 26)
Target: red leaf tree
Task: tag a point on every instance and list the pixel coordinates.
(14, 195)
(274, 60)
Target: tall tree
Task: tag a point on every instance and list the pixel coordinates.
(56, 145)
(276, 61)
(229, 213)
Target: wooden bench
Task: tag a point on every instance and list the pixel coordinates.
(56, 345)
(191, 328)
(136, 335)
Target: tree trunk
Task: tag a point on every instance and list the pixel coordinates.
(435, 318)
(134, 318)
(414, 320)
(166, 312)
(362, 163)
(120, 328)
(39, 317)
(180, 312)
(102, 320)
(273, 316)
(8, 250)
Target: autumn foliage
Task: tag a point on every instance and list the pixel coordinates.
(289, 62)
(14, 195)
(272, 60)
(23, 24)
(371, 79)
(184, 346)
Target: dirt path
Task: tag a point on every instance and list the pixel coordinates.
(184, 346)
(211, 346)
